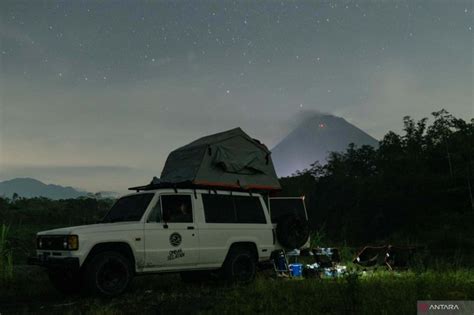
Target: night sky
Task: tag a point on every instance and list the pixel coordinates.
(95, 94)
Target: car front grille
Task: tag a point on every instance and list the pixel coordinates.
(52, 242)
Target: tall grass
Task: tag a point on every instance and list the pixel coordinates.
(6, 255)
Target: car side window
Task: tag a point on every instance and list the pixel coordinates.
(232, 209)
(249, 210)
(155, 214)
(177, 208)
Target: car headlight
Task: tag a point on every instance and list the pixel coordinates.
(72, 242)
(57, 242)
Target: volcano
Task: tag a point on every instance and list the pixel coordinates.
(312, 141)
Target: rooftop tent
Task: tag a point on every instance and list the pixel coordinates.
(229, 159)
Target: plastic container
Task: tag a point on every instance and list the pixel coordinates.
(296, 270)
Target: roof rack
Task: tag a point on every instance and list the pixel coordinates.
(190, 185)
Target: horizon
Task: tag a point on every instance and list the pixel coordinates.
(98, 103)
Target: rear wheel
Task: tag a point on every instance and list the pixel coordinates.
(240, 265)
(108, 274)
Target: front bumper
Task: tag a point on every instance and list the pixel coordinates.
(55, 263)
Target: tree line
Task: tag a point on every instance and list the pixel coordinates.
(44, 211)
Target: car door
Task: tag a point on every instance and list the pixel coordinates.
(171, 236)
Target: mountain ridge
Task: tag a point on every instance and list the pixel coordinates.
(30, 187)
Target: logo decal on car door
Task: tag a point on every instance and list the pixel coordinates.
(175, 239)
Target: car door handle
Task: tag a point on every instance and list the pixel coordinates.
(190, 227)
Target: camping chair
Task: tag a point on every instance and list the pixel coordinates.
(280, 264)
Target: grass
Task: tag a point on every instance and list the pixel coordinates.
(6, 256)
(377, 292)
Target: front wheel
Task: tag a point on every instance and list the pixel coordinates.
(108, 274)
(240, 266)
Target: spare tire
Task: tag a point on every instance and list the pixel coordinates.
(292, 231)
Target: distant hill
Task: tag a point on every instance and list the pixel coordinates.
(313, 139)
(29, 187)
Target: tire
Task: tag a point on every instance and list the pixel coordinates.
(108, 274)
(65, 282)
(292, 231)
(194, 276)
(240, 265)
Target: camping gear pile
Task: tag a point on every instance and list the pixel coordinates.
(325, 263)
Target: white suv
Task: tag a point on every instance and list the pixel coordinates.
(190, 231)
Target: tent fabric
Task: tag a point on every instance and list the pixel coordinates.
(226, 159)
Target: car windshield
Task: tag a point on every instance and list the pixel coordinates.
(128, 208)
